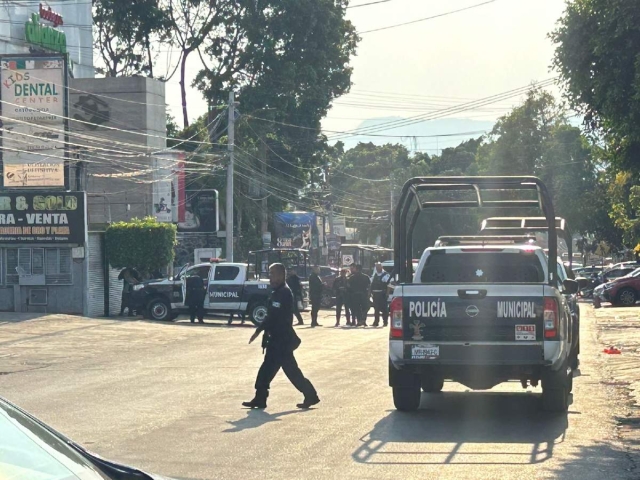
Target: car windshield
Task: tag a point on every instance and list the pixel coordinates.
(30, 452)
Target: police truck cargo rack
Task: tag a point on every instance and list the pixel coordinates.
(476, 311)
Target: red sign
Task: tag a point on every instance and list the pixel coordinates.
(51, 16)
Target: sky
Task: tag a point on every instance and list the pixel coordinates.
(428, 66)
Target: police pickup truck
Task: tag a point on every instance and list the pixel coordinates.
(478, 315)
(229, 290)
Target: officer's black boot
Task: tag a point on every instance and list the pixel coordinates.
(259, 401)
(310, 399)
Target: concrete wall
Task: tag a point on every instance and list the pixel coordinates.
(131, 115)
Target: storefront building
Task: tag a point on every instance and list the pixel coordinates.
(57, 27)
(42, 251)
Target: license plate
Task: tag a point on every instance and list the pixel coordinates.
(526, 332)
(425, 352)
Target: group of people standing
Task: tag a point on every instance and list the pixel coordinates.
(352, 291)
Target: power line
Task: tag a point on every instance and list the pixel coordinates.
(426, 18)
(367, 4)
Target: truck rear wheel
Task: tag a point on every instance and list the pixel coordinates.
(406, 399)
(555, 390)
(432, 384)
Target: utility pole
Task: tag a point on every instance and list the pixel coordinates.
(327, 180)
(229, 203)
(263, 191)
(391, 212)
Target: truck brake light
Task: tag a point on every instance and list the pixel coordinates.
(396, 318)
(550, 318)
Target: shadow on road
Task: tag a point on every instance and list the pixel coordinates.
(602, 460)
(256, 418)
(459, 419)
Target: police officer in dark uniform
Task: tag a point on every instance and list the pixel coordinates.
(279, 341)
(194, 297)
(359, 290)
(315, 295)
(340, 291)
(379, 285)
(293, 282)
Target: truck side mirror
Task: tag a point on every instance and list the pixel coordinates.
(570, 286)
(582, 282)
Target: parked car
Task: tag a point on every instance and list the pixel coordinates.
(621, 292)
(31, 449)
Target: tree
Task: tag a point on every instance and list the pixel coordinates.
(625, 206)
(535, 139)
(192, 22)
(596, 55)
(125, 33)
(285, 58)
(143, 244)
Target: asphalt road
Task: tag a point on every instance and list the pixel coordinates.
(166, 397)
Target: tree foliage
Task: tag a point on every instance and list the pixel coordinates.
(144, 244)
(124, 35)
(597, 45)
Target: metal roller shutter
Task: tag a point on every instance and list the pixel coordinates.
(115, 292)
(96, 275)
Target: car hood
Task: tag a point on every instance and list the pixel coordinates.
(159, 281)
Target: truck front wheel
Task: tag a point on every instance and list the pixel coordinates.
(159, 309)
(406, 399)
(257, 313)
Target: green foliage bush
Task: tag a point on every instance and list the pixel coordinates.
(144, 244)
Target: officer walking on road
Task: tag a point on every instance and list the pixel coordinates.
(359, 288)
(293, 282)
(280, 340)
(340, 292)
(379, 283)
(315, 295)
(194, 297)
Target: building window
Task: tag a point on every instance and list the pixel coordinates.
(58, 270)
(53, 263)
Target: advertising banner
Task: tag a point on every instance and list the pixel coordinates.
(33, 96)
(201, 212)
(42, 217)
(295, 229)
(162, 201)
(339, 226)
(33, 89)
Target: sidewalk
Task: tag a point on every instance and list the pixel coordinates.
(620, 327)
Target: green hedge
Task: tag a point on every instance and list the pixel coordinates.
(144, 244)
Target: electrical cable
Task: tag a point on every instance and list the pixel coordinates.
(427, 18)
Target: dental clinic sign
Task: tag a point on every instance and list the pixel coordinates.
(33, 96)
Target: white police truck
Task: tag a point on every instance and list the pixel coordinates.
(482, 314)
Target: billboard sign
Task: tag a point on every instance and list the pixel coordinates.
(200, 212)
(295, 229)
(28, 217)
(33, 89)
(33, 96)
(162, 201)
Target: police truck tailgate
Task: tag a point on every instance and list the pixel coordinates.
(486, 324)
(473, 306)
